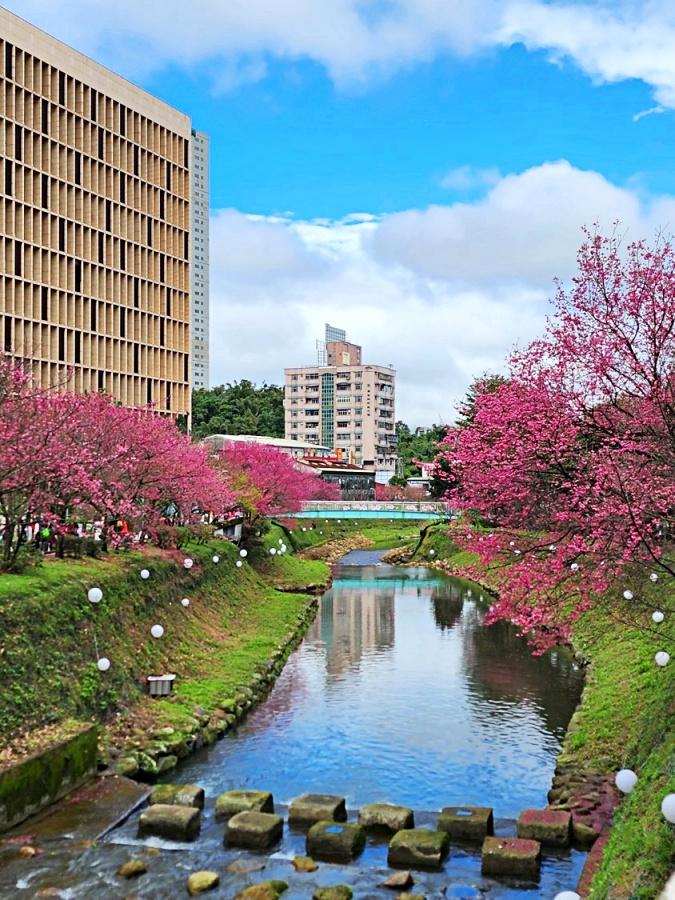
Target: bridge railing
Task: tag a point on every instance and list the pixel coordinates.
(434, 507)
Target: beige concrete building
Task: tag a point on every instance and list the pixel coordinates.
(94, 225)
(344, 404)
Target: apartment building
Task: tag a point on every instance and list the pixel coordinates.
(95, 227)
(200, 259)
(344, 404)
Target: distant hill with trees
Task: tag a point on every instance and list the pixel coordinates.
(241, 407)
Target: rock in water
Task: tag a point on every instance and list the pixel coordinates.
(304, 864)
(200, 882)
(132, 869)
(399, 880)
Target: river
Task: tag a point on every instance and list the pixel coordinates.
(398, 693)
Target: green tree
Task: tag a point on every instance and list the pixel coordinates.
(238, 408)
(419, 444)
(486, 384)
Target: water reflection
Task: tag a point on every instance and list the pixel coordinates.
(400, 693)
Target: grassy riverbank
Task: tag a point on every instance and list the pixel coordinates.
(625, 720)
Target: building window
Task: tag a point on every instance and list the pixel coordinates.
(168, 302)
(62, 235)
(136, 359)
(108, 215)
(8, 178)
(148, 392)
(101, 381)
(101, 144)
(18, 142)
(149, 232)
(62, 344)
(18, 258)
(92, 105)
(161, 268)
(123, 255)
(8, 334)
(123, 120)
(78, 347)
(168, 176)
(123, 322)
(44, 304)
(62, 89)
(161, 332)
(161, 204)
(123, 188)
(137, 291)
(45, 191)
(9, 61)
(78, 276)
(101, 247)
(78, 167)
(136, 160)
(45, 116)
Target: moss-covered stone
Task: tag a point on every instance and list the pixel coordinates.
(254, 830)
(178, 795)
(466, 823)
(232, 802)
(132, 869)
(311, 808)
(44, 778)
(335, 841)
(174, 823)
(266, 890)
(337, 892)
(419, 848)
(126, 765)
(200, 882)
(304, 864)
(386, 817)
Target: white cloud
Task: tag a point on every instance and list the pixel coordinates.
(357, 42)
(466, 178)
(444, 293)
(652, 111)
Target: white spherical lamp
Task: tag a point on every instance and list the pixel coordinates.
(657, 616)
(574, 567)
(243, 553)
(239, 564)
(512, 543)
(432, 552)
(273, 551)
(653, 577)
(662, 658)
(668, 807)
(185, 602)
(103, 664)
(517, 552)
(188, 563)
(215, 558)
(157, 631)
(303, 528)
(567, 895)
(94, 595)
(627, 595)
(552, 549)
(625, 780)
(145, 574)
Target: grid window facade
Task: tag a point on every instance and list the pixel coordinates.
(94, 226)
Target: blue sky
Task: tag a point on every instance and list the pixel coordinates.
(417, 172)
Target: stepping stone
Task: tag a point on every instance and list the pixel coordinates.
(386, 817)
(254, 830)
(510, 856)
(178, 795)
(338, 892)
(418, 848)
(200, 882)
(551, 827)
(233, 802)
(335, 841)
(311, 808)
(583, 833)
(266, 890)
(466, 823)
(175, 823)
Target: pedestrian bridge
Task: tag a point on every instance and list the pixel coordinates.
(373, 509)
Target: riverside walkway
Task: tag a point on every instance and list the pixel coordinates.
(374, 509)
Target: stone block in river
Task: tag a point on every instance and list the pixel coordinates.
(386, 817)
(254, 830)
(200, 882)
(311, 808)
(510, 856)
(178, 795)
(551, 827)
(233, 802)
(584, 833)
(335, 841)
(174, 823)
(466, 823)
(419, 848)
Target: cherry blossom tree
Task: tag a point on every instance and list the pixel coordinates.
(573, 457)
(266, 481)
